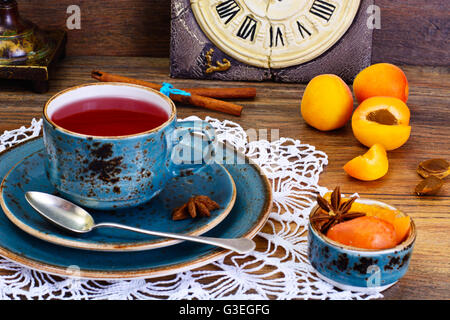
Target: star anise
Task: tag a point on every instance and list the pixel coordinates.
(333, 212)
(198, 206)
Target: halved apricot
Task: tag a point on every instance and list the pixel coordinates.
(364, 232)
(373, 165)
(381, 79)
(383, 120)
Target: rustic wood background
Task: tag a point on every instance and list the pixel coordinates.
(412, 32)
(428, 274)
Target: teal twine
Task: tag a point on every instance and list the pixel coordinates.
(168, 89)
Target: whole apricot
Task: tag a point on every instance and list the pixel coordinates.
(383, 120)
(364, 232)
(371, 166)
(327, 103)
(381, 79)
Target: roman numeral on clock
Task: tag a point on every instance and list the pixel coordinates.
(228, 10)
(276, 38)
(302, 29)
(248, 29)
(322, 9)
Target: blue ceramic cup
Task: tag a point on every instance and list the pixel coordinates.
(121, 171)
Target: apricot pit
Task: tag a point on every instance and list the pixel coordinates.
(439, 168)
(382, 116)
(429, 186)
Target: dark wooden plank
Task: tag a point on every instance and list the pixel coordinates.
(412, 32)
(277, 107)
(115, 28)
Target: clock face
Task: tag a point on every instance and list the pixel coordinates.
(274, 33)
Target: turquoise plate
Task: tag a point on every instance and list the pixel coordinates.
(249, 214)
(28, 175)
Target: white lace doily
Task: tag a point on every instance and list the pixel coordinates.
(279, 271)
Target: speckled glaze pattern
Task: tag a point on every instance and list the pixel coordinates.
(350, 267)
(213, 181)
(116, 172)
(249, 214)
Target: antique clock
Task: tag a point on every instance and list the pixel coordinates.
(281, 40)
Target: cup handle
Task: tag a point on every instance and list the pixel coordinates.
(194, 144)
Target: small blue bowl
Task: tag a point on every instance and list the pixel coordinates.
(355, 269)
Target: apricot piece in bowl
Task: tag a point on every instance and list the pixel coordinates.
(381, 79)
(383, 120)
(327, 103)
(401, 223)
(364, 232)
(373, 165)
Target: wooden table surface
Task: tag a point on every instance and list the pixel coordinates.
(277, 107)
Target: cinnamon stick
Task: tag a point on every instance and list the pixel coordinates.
(218, 93)
(193, 99)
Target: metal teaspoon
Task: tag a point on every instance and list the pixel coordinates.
(74, 218)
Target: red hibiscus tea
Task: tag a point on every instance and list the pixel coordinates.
(110, 116)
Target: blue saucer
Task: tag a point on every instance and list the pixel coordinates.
(213, 181)
(248, 216)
